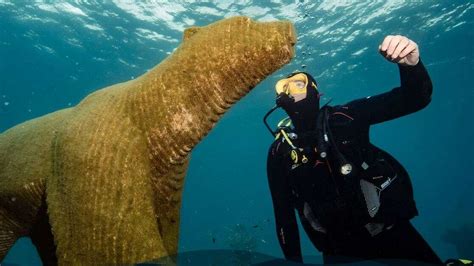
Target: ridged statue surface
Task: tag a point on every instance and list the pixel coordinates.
(101, 183)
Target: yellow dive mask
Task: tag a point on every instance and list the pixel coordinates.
(295, 86)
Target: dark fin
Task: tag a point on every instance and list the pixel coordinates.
(42, 237)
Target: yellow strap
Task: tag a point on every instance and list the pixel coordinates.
(277, 136)
(287, 138)
(466, 261)
(285, 120)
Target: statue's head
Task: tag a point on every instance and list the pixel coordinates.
(235, 54)
(215, 66)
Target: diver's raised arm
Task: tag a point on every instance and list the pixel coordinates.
(415, 89)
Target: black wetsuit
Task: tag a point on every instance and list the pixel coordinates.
(328, 207)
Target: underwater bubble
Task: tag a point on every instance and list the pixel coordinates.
(303, 66)
(13, 199)
(6, 103)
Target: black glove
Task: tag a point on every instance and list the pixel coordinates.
(284, 100)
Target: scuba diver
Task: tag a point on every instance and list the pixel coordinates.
(354, 200)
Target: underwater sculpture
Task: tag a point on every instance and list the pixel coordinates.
(103, 180)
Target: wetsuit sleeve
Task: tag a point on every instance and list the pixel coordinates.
(285, 218)
(413, 95)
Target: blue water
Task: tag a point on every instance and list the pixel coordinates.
(54, 54)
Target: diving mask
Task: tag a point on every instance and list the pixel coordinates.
(294, 86)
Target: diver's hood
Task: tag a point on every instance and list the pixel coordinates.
(303, 113)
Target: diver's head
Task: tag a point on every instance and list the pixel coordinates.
(298, 95)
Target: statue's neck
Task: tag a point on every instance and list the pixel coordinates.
(176, 110)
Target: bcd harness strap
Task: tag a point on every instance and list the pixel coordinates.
(296, 153)
(324, 140)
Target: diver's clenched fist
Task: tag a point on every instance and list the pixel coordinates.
(399, 49)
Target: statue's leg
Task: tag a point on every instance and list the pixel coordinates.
(168, 192)
(19, 206)
(39, 231)
(42, 237)
(100, 201)
(8, 232)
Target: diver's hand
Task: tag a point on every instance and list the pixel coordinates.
(399, 49)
